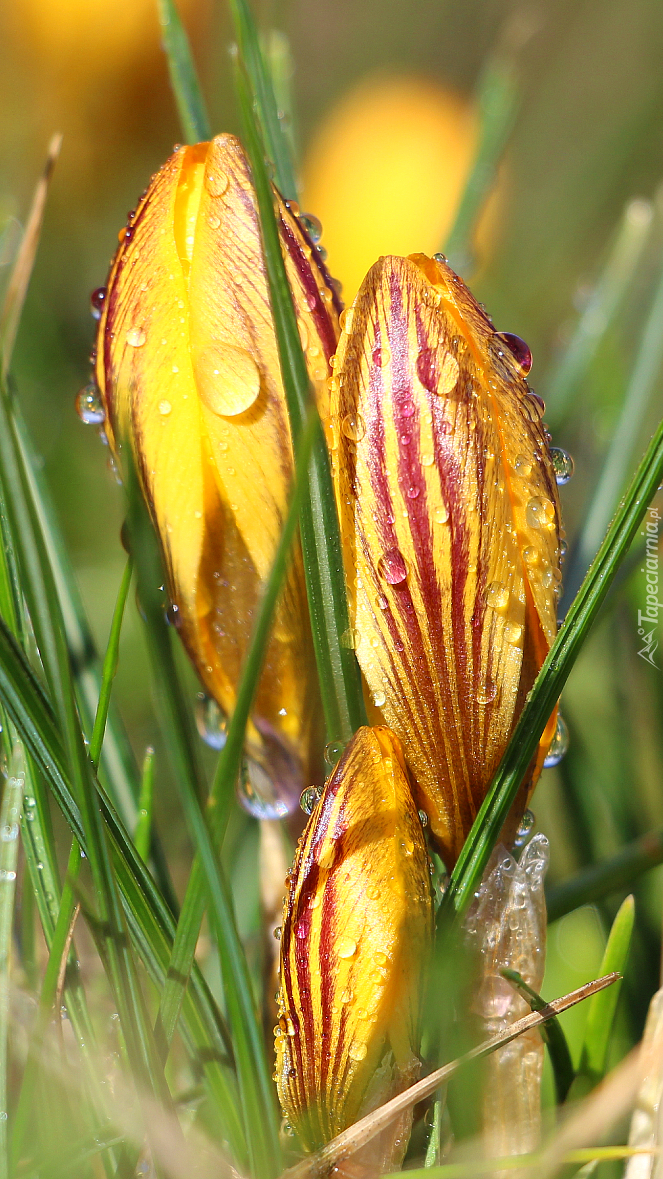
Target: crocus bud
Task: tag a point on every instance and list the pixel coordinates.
(451, 530)
(357, 928)
(188, 369)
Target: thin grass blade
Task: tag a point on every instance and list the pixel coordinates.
(602, 1009)
(498, 107)
(607, 877)
(273, 132)
(183, 77)
(550, 681)
(10, 314)
(552, 1034)
(143, 827)
(603, 305)
(642, 386)
(337, 666)
(9, 826)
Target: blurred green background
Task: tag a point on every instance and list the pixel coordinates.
(587, 137)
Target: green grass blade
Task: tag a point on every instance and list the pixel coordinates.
(609, 876)
(606, 300)
(602, 1007)
(641, 387)
(262, 93)
(278, 59)
(498, 107)
(183, 77)
(110, 667)
(9, 826)
(149, 918)
(321, 545)
(254, 1075)
(485, 830)
(228, 765)
(17, 287)
(552, 1034)
(143, 826)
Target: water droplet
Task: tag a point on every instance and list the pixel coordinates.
(392, 567)
(423, 818)
(269, 785)
(407, 846)
(310, 798)
(216, 183)
(413, 491)
(379, 699)
(312, 226)
(558, 745)
(440, 258)
(346, 947)
(427, 460)
(7, 875)
(277, 933)
(9, 832)
(534, 406)
(210, 721)
(540, 513)
(97, 301)
(322, 253)
(381, 356)
(497, 596)
(513, 633)
(333, 750)
(165, 407)
(525, 829)
(345, 319)
(519, 349)
(89, 405)
(563, 549)
(487, 692)
(441, 514)
(562, 464)
(357, 1051)
(136, 337)
(530, 555)
(228, 379)
(173, 616)
(522, 465)
(346, 997)
(354, 427)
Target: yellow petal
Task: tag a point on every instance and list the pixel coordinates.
(356, 933)
(189, 372)
(450, 520)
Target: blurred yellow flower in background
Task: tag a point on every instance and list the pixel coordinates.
(386, 170)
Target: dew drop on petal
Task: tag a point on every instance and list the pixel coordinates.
(379, 699)
(392, 567)
(216, 182)
(530, 555)
(310, 799)
(346, 947)
(165, 407)
(357, 1051)
(558, 745)
(354, 427)
(413, 491)
(534, 406)
(525, 830)
(312, 226)
(228, 379)
(333, 750)
(497, 595)
(513, 633)
(522, 465)
(441, 514)
(519, 349)
(345, 319)
(540, 513)
(97, 302)
(136, 337)
(89, 405)
(562, 464)
(487, 692)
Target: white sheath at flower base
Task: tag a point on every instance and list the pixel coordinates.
(506, 925)
(646, 1122)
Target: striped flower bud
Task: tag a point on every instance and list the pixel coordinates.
(358, 923)
(188, 369)
(450, 522)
